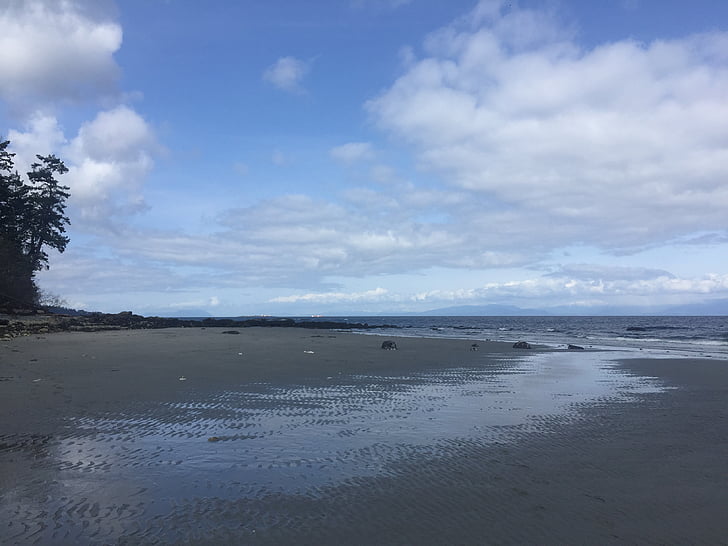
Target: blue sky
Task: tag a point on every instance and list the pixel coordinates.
(377, 156)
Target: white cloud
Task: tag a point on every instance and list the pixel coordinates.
(591, 272)
(42, 136)
(525, 141)
(352, 152)
(287, 73)
(544, 291)
(146, 263)
(52, 51)
(81, 273)
(621, 146)
(296, 241)
(333, 297)
(296, 233)
(108, 160)
(565, 290)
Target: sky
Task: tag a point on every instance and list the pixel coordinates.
(377, 156)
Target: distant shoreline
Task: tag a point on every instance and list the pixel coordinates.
(14, 325)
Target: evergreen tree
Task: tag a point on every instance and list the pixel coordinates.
(13, 197)
(31, 218)
(45, 222)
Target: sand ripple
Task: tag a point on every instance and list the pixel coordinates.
(268, 463)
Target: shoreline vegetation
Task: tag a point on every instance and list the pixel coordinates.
(30, 322)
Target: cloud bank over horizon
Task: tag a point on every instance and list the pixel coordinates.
(505, 162)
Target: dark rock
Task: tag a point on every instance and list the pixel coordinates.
(231, 332)
(521, 345)
(126, 320)
(474, 347)
(575, 347)
(389, 345)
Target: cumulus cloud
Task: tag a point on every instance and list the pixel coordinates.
(108, 159)
(51, 51)
(621, 146)
(287, 73)
(42, 135)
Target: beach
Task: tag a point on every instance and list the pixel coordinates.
(293, 436)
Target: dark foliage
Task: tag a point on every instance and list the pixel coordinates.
(31, 219)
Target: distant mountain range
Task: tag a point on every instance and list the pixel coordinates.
(491, 310)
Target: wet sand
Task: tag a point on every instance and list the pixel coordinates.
(287, 436)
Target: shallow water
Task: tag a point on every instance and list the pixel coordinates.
(166, 471)
(683, 335)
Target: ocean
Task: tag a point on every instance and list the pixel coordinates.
(673, 336)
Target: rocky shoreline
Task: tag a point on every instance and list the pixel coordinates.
(39, 322)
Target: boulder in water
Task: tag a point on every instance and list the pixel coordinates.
(521, 345)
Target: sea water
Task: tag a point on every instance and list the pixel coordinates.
(678, 335)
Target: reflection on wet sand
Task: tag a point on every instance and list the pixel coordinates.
(266, 459)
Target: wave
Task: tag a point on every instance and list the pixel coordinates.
(690, 334)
